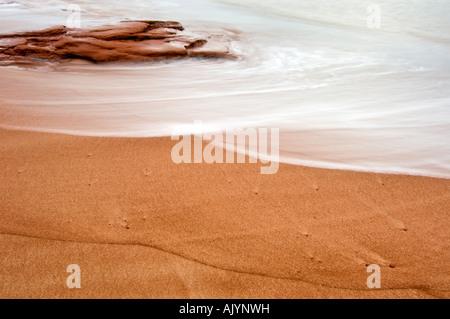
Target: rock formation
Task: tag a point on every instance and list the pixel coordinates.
(126, 42)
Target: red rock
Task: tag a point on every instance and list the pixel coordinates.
(11, 42)
(57, 30)
(127, 41)
(152, 48)
(113, 33)
(211, 49)
(32, 51)
(161, 24)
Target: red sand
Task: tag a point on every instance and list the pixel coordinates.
(141, 226)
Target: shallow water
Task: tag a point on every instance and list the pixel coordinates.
(343, 95)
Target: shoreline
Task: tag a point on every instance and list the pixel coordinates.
(141, 226)
(283, 159)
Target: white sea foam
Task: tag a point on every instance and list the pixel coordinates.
(343, 95)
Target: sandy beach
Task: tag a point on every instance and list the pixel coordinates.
(140, 226)
(350, 96)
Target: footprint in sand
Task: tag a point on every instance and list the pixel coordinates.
(379, 180)
(367, 257)
(397, 223)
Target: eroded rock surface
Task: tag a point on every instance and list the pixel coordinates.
(127, 42)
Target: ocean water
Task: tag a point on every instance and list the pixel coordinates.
(344, 95)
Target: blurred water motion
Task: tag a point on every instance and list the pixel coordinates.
(343, 95)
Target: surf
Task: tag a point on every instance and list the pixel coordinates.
(343, 95)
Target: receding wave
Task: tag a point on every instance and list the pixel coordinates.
(343, 97)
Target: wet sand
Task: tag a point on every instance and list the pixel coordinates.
(139, 225)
